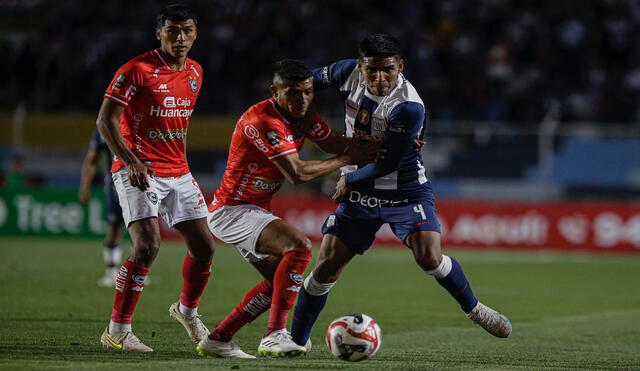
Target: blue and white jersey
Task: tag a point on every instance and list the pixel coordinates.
(397, 120)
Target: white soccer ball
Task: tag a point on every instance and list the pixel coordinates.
(353, 337)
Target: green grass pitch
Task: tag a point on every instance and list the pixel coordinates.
(569, 311)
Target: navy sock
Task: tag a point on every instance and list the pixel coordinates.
(458, 286)
(307, 310)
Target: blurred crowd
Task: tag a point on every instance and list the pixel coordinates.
(470, 60)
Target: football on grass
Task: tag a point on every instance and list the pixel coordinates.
(353, 337)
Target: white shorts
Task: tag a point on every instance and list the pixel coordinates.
(241, 225)
(175, 199)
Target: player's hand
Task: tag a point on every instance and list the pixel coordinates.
(138, 175)
(83, 195)
(342, 189)
(360, 151)
(418, 144)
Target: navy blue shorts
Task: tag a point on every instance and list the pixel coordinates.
(356, 225)
(112, 205)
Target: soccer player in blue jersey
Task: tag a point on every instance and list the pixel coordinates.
(381, 104)
(112, 253)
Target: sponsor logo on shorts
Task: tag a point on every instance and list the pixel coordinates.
(138, 279)
(371, 201)
(295, 277)
(152, 196)
(266, 185)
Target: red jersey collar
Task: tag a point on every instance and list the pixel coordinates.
(157, 52)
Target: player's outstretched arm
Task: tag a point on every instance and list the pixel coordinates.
(108, 124)
(298, 171)
(333, 144)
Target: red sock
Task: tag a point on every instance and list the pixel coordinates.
(254, 303)
(129, 286)
(286, 284)
(194, 279)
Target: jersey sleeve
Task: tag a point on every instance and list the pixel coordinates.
(333, 75)
(270, 138)
(320, 130)
(405, 122)
(125, 83)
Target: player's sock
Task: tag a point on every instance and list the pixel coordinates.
(286, 284)
(313, 296)
(129, 286)
(449, 275)
(194, 279)
(255, 302)
(112, 255)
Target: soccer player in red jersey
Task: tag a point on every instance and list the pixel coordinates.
(144, 119)
(264, 151)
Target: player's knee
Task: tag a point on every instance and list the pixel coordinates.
(428, 258)
(205, 249)
(144, 254)
(300, 242)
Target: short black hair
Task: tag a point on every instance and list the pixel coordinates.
(292, 70)
(175, 13)
(379, 45)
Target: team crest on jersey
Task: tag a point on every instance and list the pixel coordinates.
(363, 117)
(273, 138)
(152, 196)
(194, 85)
(119, 82)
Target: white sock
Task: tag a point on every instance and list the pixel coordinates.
(112, 255)
(112, 272)
(316, 288)
(118, 328)
(189, 312)
(443, 269)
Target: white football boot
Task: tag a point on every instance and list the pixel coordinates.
(123, 341)
(280, 344)
(193, 324)
(493, 322)
(229, 349)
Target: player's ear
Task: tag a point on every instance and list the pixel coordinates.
(274, 91)
(400, 65)
(158, 33)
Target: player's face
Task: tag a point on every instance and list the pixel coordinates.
(380, 73)
(176, 38)
(294, 97)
